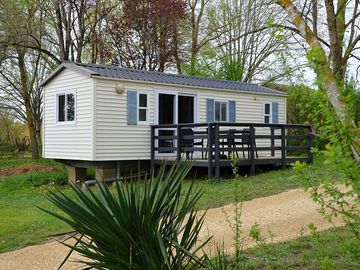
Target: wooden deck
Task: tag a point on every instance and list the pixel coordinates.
(211, 144)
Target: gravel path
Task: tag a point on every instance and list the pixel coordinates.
(285, 215)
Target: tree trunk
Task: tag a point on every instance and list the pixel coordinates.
(318, 57)
(27, 104)
(176, 48)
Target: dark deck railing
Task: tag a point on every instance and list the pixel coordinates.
(210, 144)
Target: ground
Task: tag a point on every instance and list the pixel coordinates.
(285, 214)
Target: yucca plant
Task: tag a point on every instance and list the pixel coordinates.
(150, 225)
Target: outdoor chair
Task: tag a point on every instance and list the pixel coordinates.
(189, 142)
(232, 143)
(207, 142)
(245, 140)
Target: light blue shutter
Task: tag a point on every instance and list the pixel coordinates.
(132, 107)
(232, 111)
(275, 112)
(209, 110)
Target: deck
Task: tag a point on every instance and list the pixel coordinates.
(212, 145)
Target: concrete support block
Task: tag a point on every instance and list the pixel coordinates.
(101, 174)
(76, 174)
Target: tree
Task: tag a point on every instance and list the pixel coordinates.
(13, 136)
(75, 24)
(201, 35)
(21, 69)
(233, 40)
(144, 34)
(330, 70)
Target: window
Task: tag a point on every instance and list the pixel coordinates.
(143, 108)
(267, 113)
(66, 107)
(220, 111)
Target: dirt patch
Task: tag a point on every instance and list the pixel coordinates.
(29, 167)
(285, 215)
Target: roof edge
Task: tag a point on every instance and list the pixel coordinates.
(280, 94)
(275, 91)
(69, 65)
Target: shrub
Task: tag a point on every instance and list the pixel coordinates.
(147, 225)
(37, 179)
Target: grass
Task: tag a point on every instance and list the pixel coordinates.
(22, 223)
(332, 249)
(21, 161)
(14, 162)
(217, 194)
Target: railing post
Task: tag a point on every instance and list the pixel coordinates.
(210, 151)
(217, 152)
(152, 149)
(178, 143)
(283, 147)
(272, 141)
(310, 137)
(252, 150)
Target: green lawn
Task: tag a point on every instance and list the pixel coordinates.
(13, 162)
(22, 223)
(220, 193)
(332, 249)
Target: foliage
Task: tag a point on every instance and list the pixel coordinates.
(204, 65)
(13, 136)
(341, 199)
(23, 224)
(332, 249)
(231, 69)
(37, 179)
(319, 250)
(304, 106)
(7, 162)
(351, 94)
(145, 34)
(145, 226)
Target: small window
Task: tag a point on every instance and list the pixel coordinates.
(66, 107)
(220, 111)
(143, 108)
(267, 113)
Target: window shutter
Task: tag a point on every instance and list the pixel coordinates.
(209, 110)
(232, 111)
(275, 112)
(132, 107)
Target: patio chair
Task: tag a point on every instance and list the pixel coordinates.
(189, 142)
(232, 143)
(245, 140)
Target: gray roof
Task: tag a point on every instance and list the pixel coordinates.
(159, 77)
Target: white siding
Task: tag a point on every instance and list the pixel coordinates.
(249, 109)
(69, 141)
(116, 140)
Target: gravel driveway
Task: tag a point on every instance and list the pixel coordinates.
(285, 215)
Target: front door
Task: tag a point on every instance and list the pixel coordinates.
(166, 116)
(186, 109)
(173, 108)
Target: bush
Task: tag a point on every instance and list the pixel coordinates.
(37, 179)
(138, 226)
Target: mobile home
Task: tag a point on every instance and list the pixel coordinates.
(98, 116)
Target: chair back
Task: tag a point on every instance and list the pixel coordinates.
(245, 136)
(212, 135)
(187, 142)
(231, 136)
